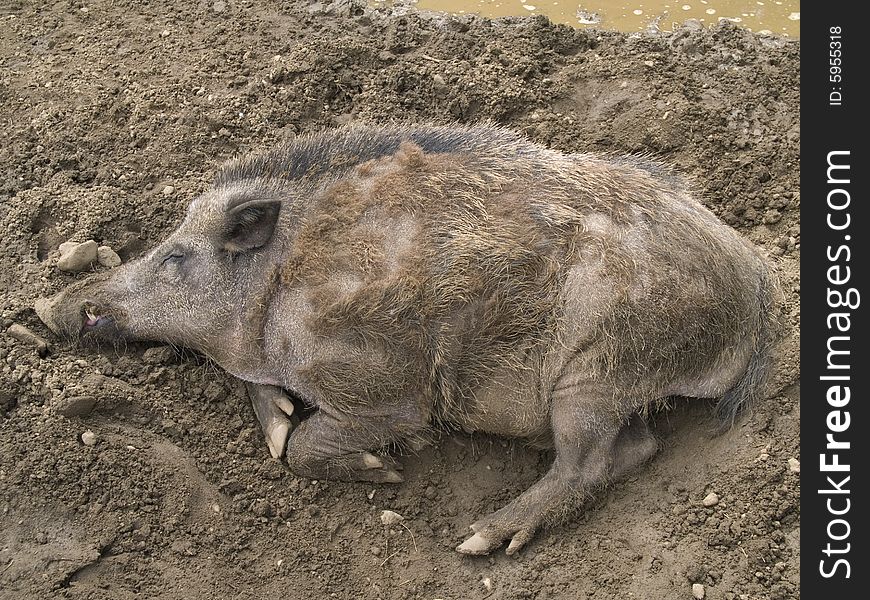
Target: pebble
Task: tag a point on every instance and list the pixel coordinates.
(794, 465)
(712, 499)
(108, 257)
(431, 492)
(376, 551)
(219, 6)
(168, 190)
(389, 517)
(77, 257)
(487, 583)
(698, 591)
(89, 438)
(75, 406)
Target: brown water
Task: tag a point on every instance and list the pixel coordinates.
(780, 17)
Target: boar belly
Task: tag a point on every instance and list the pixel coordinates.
(510, 404)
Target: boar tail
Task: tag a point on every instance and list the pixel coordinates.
(765, 332)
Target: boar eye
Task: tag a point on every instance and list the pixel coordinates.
(173, 259)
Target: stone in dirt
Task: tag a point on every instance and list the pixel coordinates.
(389, 517)
(77, 257)
(108, 257)
(89, 438)
(75, 406)
(698, 591)
(712, 499)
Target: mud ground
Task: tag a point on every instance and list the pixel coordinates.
(106, 104)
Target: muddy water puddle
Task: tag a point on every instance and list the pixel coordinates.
(781, 17)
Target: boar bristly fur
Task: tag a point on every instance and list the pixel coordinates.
(402, 278)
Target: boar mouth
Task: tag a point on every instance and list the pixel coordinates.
(93, 318)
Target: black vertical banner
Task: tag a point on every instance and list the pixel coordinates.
(835, 360)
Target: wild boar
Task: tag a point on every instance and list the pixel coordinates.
(401, 278)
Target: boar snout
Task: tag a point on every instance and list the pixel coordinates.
(76, 317)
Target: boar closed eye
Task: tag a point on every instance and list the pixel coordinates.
(175, 258)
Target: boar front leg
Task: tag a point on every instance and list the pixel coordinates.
(595, 442)
(334, 445)
(275, 413)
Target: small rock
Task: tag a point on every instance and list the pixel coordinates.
(77, 257)
(487, 583)
(168, 190)
(698, 591)
(431, 492)
(794, 465)
(89, 438)
(389, 517)
(165, 33)
(376, 551)
(108, 257)
(219, 6)
(712, 499)
(76, 406)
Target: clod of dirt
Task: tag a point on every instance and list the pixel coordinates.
(108, 257)
(168, 190)
(75, 406)
(160, 355)
(43, 308)
(77, 257)
(794, 465)
(389, 517)
(711, 499)
(89, 438)
(698, 591)
(23, 334)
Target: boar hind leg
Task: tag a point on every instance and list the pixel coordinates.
(592, 443)
(634, 445)
(333, 445)
(275, 413)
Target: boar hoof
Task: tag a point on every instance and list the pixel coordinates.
(371, 461)
(274, 411)
(484, 544)
(477, 544)
(381, 469)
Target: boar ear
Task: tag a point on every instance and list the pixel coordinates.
(250, 224)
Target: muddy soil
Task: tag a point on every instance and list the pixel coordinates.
(115, 113)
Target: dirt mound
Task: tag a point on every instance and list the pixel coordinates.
(116, 113)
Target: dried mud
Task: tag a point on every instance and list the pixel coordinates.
(105, 104)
